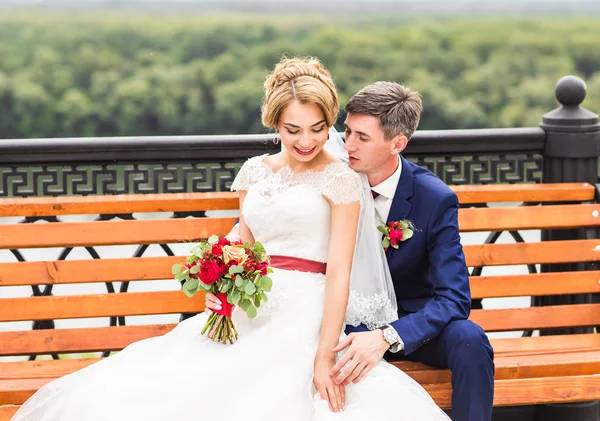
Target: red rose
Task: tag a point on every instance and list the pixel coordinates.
(223, 242)
(217, 250)
(395, 236)
(262, 267)
(210, 272)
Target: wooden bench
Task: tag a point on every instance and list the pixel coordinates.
(529, 370)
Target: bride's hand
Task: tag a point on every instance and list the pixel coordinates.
(211, 303)
(323, 382)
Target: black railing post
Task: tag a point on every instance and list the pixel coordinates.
(570, 155)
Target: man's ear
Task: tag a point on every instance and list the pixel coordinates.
(399, 143)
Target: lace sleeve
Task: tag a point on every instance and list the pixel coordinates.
(343, 187)
(252, 171)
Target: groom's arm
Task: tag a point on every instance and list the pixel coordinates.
(448, 275)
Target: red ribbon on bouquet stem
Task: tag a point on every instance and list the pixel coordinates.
(226, 308)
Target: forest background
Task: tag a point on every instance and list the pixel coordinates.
(132, 68)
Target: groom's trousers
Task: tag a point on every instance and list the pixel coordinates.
(464, 348)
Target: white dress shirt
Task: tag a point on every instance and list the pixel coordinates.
(386, 190)
(383, 203)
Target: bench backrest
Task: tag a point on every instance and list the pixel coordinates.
(567, 210)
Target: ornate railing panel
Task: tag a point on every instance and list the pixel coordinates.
(58, 167)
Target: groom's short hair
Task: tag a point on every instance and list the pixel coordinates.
(397, 107)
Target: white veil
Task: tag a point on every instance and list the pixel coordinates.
(372, 300)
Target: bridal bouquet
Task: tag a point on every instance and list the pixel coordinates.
(236, 273)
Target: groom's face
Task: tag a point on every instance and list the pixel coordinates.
(366, 145)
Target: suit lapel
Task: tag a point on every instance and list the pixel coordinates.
(401, 205)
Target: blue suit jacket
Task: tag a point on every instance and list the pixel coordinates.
(428, 270)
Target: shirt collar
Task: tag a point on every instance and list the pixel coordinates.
(387, 187)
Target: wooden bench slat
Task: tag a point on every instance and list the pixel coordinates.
(40, 369)
(119, 204)
(516, 367)
(8, 411)
(507, 367)
(507, 392)
(548, 317)
(154, 268)
(538, 284)
(169, 302)
(106, 233)
(73, 234)
(542, 344)
(526, 192)
(71, 340)
(17, 391)
(569, 251)
(528, 217)
(159, 268)
(530, 391)
(189, 202)
(99, 305)
(114, 338)
(87, 271)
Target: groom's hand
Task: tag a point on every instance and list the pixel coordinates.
(365, 350)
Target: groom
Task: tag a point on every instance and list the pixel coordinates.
(428, 270)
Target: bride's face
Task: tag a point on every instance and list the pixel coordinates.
(303, 130)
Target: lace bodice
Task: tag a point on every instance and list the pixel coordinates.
(287, 212)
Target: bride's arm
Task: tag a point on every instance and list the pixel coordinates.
(344, 222)
(244, 231)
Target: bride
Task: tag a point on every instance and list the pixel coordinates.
(314, 215)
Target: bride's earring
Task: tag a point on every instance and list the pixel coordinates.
(276, 140)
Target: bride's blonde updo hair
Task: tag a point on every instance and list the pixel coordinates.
(303, 79)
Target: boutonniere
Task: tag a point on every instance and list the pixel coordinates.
(395, 231)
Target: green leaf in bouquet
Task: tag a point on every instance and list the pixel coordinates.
(239, 281)
(189, 293)
(251, 311)
(234, 297)
(259, 251)
(270, 270)
(245, 303)
(258, 281)
(213, 239)
(226, 286)
(257, 298)
(236, 269)
(263, 297)
(197, 251)
(191, 285)
(180, 276)
(176, 268)
(195, 269)
(192, 258)
(250, 288)
(204, 286)
(267, 283)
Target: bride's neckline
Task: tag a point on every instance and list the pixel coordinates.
(290, 170)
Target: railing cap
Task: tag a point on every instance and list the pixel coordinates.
(570, 91)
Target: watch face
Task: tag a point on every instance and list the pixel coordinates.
(389, 335)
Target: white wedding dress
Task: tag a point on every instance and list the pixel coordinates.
(267, 374)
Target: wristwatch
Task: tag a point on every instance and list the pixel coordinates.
(390, 335)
